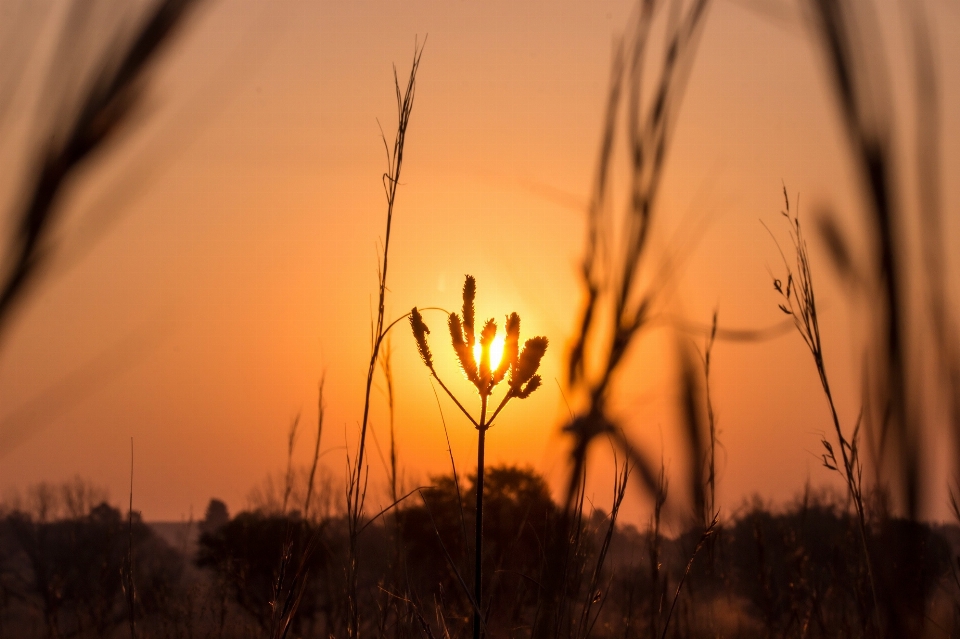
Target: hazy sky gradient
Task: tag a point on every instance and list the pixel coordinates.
(224, 256)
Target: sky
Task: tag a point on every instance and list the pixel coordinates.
(221, 258)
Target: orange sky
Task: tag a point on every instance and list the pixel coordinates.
(224, 256)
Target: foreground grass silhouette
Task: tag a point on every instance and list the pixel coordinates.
(523, 380)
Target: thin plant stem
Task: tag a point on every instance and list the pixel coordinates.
(131, 589)
(456, 401)
(288, 478)
(391, 182)
(676, 595)
(477, 578)
(711, 492)
(316, 449)
(357, 482)
(799, 302)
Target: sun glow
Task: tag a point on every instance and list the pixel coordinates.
(496, 352)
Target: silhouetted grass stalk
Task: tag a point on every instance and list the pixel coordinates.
(288, 477)
(129, 583)
(704, 537)
(357, 483)
(523, 380)
(594, 592)
(710, 492)
(289, 588)
(316, 450)
(654, 549)
(799, 302)
(386, 368)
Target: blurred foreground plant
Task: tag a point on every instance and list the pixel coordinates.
(522, 368)
(85, 126)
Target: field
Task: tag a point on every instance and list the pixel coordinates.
(868, 546)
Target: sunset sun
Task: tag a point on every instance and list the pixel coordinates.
(496, 351)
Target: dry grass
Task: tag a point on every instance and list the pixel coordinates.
(523, 380)
(819, 568)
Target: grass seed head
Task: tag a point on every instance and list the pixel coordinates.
(469, 294)
(531, 386)
(486, 339)
(463, 350)
(510, 348)
(521, 365)
(528, 363)
(420, 332)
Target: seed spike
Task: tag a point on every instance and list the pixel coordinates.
(464, 352)
(420, 332)
(510, 348)
(533, 351)
(469, 294)
(486, 339)
(531, 386)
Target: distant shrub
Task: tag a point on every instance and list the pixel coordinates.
(247, 554)
(71, 570)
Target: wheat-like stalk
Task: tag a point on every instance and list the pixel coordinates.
(519, 367)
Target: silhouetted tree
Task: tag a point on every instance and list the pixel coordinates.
(258, 555)
(518, 516)
(70, 569)
(800, 567)
(216, 516)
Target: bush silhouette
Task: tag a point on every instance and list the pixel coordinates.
(71, 569)
(518, 515)
(247, 551)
